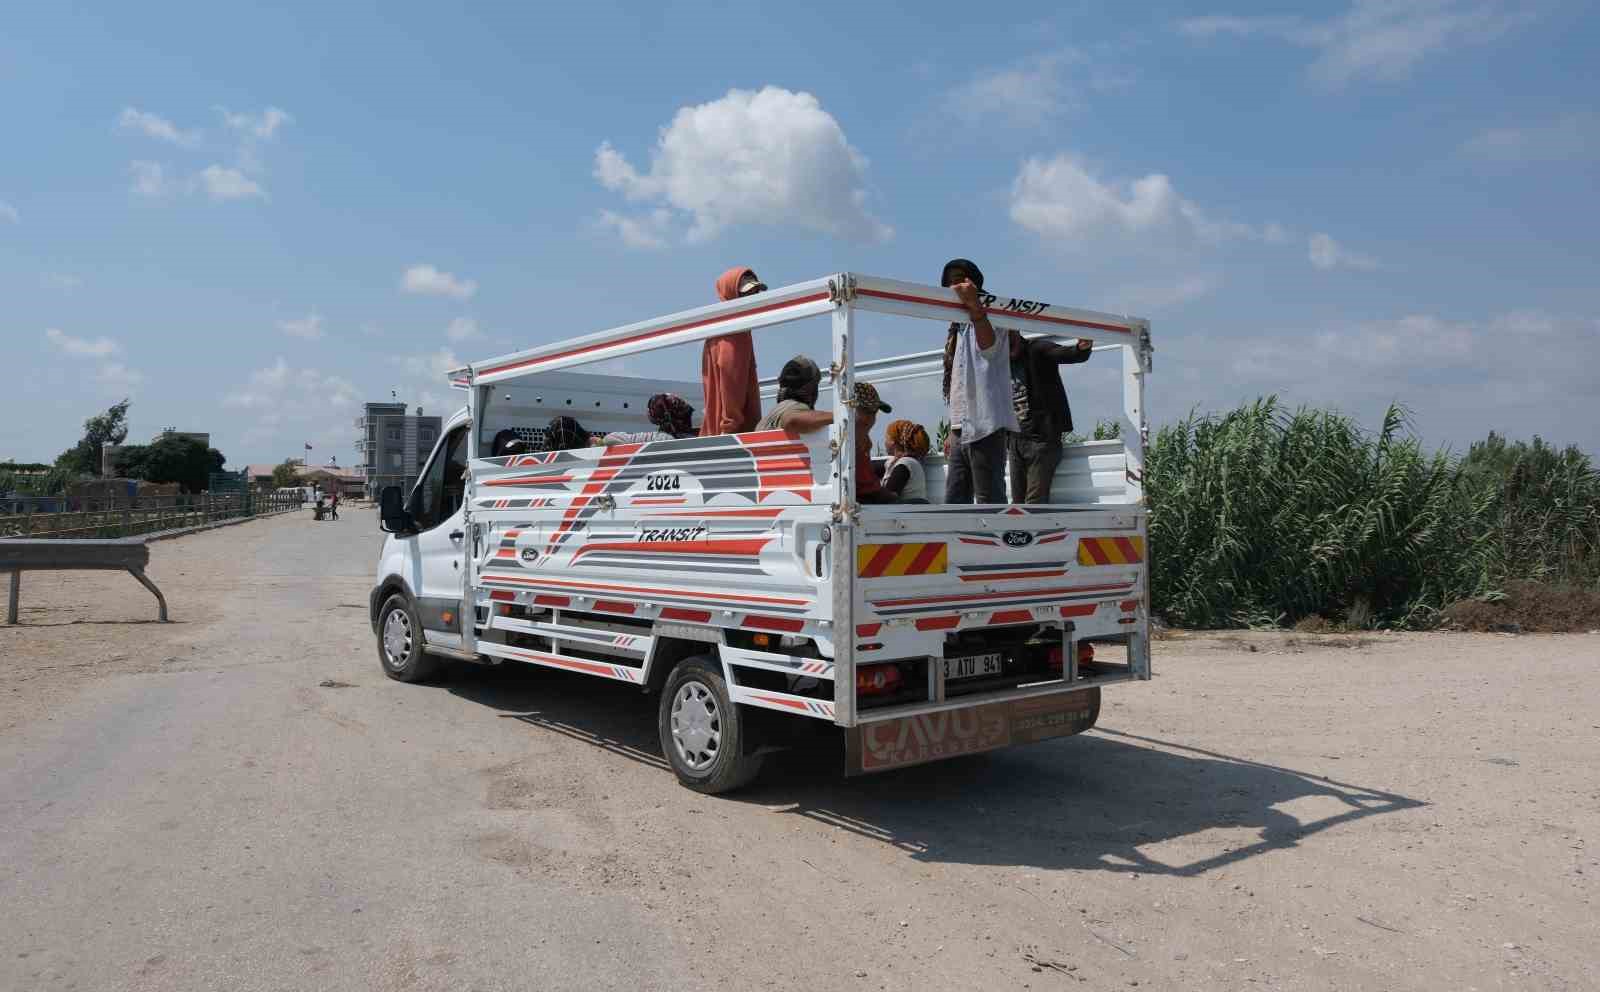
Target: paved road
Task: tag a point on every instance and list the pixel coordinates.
(190, 807)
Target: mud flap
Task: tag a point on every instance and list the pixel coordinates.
(916, 740)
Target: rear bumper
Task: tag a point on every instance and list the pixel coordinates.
(951, 730)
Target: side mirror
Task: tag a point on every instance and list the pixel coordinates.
(392, 515)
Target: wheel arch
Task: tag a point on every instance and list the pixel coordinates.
(381, 593)
(667, 652)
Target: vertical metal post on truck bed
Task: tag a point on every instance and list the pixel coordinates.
(468, 615)
(1135, 433)
(844, 507)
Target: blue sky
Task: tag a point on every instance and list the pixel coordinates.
(251, 221)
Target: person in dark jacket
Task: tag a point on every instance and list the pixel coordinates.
(1042, 411)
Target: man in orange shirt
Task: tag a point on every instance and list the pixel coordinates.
(728, 367)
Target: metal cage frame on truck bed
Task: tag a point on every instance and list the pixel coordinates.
(842, 296)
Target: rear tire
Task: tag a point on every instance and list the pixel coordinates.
(400, 649)
(703, 734)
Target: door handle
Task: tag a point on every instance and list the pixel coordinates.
(457, 535)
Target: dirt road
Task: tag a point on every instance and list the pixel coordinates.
(241, 800)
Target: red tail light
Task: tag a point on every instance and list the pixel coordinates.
(877, 680)
(1085, 655)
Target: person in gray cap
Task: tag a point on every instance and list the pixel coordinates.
(795, 410)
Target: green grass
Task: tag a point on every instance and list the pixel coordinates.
(1262, 516)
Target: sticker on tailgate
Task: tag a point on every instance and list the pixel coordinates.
(919, 558)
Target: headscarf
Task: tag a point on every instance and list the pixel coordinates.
(671, 413)
(908, 436)
(956, 266)
(728, 282)
(564, 434)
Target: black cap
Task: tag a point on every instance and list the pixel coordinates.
(964, 267)
(797, 372)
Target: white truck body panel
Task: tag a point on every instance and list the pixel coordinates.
(595, 559)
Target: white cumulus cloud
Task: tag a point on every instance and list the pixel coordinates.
(427, 280)
(1373, 39)
(154, 126)
(308, 328)
(432, 364)
(1062, 198)
(770, 157)
(263, 125)
(1326, 253)
(118, 376)
(149, 179)
(462, 329)
(648, 230)
(280, 386)
(224, 183)
(65, 343)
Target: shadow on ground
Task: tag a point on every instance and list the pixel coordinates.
(1096, 801)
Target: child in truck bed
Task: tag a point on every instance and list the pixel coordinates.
(907, 444)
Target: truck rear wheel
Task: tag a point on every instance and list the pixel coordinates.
(703, 734)
(400, 642)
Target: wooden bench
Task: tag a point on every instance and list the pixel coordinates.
(126, 554)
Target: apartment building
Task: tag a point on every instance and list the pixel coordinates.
(392, 444)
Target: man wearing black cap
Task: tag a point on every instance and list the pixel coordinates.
(796, 411)
(977, 386)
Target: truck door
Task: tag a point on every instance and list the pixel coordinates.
(441, 541)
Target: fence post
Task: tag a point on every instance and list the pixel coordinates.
(16, 592)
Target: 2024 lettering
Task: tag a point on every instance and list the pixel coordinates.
(670, 482)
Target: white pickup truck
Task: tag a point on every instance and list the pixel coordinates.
(737, 576)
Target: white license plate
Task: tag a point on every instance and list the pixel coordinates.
(971, 667)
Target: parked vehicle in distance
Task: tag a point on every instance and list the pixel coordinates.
(738, 578)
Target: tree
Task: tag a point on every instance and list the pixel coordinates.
(172, 459)
(100, 430)
(286, 474)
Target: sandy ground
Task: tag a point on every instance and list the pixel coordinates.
(187, 806)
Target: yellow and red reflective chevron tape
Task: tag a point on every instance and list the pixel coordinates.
(1110, 550)
(880, 560)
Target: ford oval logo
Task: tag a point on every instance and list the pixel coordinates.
(1017, 538)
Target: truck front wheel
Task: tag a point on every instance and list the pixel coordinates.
(703, 734)
(400, 642)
